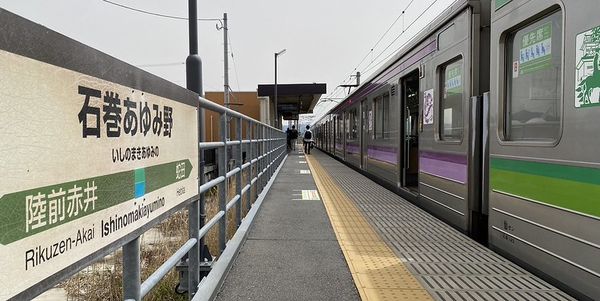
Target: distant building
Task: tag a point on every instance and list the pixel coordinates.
(246, 103)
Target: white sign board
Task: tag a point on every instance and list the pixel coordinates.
(428, 107)
(84, 162)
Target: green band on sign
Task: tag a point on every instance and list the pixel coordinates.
(29, 212)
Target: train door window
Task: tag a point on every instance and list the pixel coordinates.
(532, 109)
(451, 101)
(347, 125)
(382, 116)
(354, 124)
(339, 127)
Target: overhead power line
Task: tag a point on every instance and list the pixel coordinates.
(157, 14)
(237, 79)
(404, 44)
(160, 65)
(384, 34)
(347, 79)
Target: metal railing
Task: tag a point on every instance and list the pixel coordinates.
(265, 148)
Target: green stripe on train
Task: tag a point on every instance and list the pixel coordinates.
(569, 187)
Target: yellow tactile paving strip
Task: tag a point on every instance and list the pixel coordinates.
(377, 272)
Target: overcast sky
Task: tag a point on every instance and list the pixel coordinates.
(325, 39)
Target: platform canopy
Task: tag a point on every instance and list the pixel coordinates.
(293, 99)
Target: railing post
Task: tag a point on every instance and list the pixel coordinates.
(270, 131)
(266, 157)
(222, 165)
(194, 253)
(250, 157)
(263, 154)
(131, 270)
(238, 179)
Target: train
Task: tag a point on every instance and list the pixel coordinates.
(487, 119)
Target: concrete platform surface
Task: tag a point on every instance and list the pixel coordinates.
(291, 252)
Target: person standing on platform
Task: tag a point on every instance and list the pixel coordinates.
(288, 137)
(307, 140)
(294, 134)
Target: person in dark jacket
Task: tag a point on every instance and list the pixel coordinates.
(294, 135)
(307, 140)
(288, 136)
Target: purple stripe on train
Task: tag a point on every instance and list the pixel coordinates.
(352, 148)
(383, 154)
(450, 166)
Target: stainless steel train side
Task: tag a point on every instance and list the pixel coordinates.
(516, 166)
(544, 170)
(380, 129)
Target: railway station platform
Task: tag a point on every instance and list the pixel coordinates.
(354, 239)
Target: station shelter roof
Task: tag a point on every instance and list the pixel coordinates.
(293, 99)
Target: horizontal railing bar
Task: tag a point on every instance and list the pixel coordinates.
(245, 189)
(213, 221)
(217, 144)
(162, 271)
(245, 165)
(232, 202)
(210, 184)
(209, 145)
(232, 172)
(207, 104)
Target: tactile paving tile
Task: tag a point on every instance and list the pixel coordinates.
(377, 272)
(397, 294)
(448, 264)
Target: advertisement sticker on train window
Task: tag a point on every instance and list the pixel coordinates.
(587, 73)
(453, 80)
(536, 50)
(428, 107)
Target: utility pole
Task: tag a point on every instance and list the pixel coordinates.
(276, 123)
(196, 210)
(226, 62)
(275, 100)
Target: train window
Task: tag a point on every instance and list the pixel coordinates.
(347, 124)
(339, 125)
(352, 125)
(447, 37)
(382, 116)
(451, 108)
(533, 81)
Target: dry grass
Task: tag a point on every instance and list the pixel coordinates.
(104, 279)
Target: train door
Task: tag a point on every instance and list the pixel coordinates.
(326, 136)
(409, 160)
(366, 127)
(334, 137)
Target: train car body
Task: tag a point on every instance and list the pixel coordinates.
(487, 120)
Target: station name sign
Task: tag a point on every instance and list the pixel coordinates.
(85, 162)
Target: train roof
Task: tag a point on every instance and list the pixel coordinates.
(445, 16)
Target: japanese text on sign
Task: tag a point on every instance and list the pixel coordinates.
(47, 209)
(137, 118)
